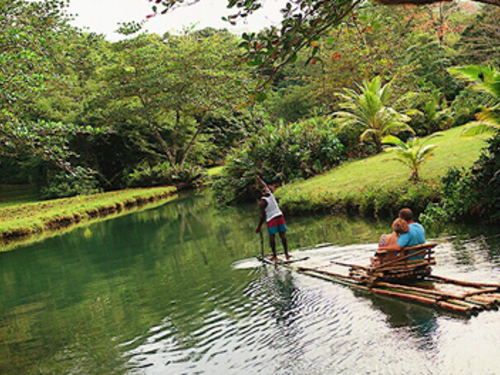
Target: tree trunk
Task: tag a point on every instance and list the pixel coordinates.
(191, 143)
(171, 158)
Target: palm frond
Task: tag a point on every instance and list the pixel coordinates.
(490, 116)
(476, 128)
(484, 78)
(393, 140)
(367, 134)
(426, 152)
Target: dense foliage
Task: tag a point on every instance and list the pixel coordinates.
(279, 154)
(80, 114)
(306, 21)
(470, 194)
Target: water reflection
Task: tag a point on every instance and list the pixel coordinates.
(156, 292)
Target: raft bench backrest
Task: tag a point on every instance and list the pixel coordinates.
(419, 253)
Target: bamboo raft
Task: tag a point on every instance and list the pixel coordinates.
(407, 275)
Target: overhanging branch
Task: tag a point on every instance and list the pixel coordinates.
(427, 2)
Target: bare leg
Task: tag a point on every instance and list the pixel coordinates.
(285, 243)
(272, 242)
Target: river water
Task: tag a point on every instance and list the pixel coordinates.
(176, 290)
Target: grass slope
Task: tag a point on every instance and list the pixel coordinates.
(379, 184)
(30, 218)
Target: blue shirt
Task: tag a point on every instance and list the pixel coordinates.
(415, 236)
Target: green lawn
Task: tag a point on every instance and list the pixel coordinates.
(352, 182)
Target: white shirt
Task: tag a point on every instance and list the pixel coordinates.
(272, 209)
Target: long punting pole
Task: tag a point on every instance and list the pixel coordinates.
(465, 303)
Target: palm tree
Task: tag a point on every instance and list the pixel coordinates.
(484, 79)
(369, 112)
(411, 153)
(435, 113)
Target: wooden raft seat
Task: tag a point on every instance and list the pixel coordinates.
(409, 262)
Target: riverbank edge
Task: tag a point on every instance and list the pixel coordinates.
(369, 202)
(95, 210)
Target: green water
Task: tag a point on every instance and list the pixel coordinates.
(176, 290)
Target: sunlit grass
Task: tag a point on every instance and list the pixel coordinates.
(382, 173)
(214, 171)
(30, 218)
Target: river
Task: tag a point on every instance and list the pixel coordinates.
(176, 289)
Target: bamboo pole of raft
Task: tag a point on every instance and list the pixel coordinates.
(421, 290)
(482, 291)
(484, 299)
(465, 283)
(349, 265)
(341, 279)
(470, 305)
(439, 292)
(417, 296)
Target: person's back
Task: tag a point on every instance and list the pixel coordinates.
(415, 236)
(272, 210)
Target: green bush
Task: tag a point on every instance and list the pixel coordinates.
(164, 174)
(430, 113)
(279, 154)
(467, 104)
(470, 194)
(146, 175)
(81, 182)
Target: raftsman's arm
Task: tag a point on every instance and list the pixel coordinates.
(263, 184)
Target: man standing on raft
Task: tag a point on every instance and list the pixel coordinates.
(271, 213)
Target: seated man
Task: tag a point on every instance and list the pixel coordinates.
(415, 236)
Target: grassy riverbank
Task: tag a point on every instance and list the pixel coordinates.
(26, 219)
(381, 185)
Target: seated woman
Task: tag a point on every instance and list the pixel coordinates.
(399, 226)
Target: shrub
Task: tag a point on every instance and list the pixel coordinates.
(164, 174)
(473, 194)
(430, 113)
(81, 182)
(279, 154)
(146, 175)
(467, 104)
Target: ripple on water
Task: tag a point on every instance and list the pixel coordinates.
(281, 322)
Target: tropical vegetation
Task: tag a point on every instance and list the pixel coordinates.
(411, 153)
(81, 115)
(370, 112)
(278, 154)
(379, 184)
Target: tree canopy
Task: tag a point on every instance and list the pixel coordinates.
(304, 23)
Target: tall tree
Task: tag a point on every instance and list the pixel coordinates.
(30, 34)
(161, 89)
